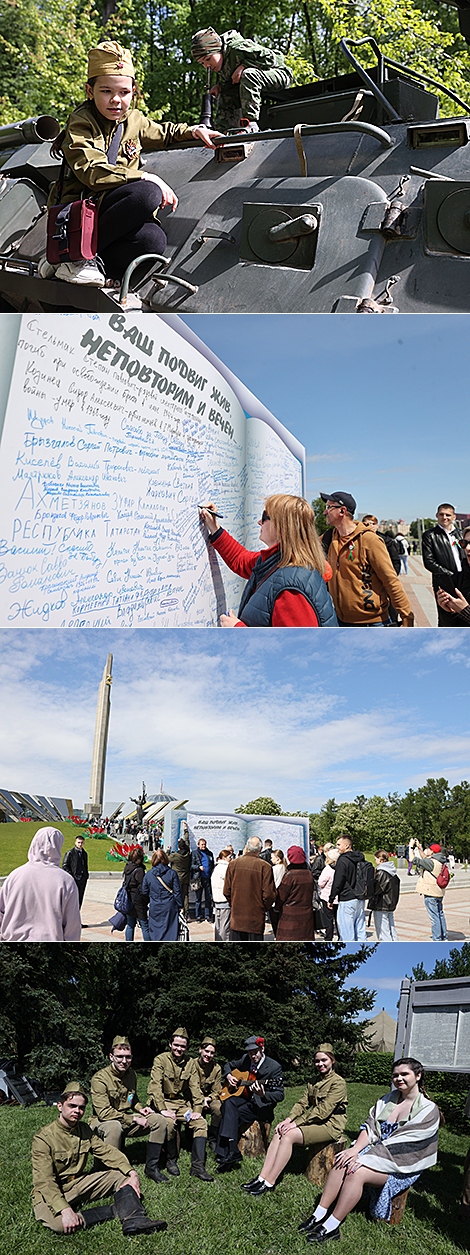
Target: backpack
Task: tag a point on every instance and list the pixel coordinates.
(364, 883)
(400, 547)
(442, 880)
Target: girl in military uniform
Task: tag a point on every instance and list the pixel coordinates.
(129, 197)
(318, 1118)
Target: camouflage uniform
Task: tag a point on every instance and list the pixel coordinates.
(264, 68)
(59, 1179)
(115, 1101)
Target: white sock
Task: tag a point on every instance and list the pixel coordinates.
(265, 1182)
(319, 1212)
(331, 1223)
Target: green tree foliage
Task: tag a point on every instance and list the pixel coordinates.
(321, 522)
(371, 823)
(44, 47)
(457, 964)
(323, 821)
(414, 526)
(435, 812)
(76, 999)
(260, 806)
(43, 54)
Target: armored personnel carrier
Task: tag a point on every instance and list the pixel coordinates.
(354, 196)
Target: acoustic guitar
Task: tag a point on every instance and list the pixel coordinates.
(245, 1079)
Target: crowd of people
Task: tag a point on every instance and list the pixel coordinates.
(302, 898)
(348, 576)
(396, 1141)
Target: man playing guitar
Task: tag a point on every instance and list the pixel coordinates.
(253, 1087)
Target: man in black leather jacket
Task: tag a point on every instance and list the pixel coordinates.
(442, 556)
(76, 864)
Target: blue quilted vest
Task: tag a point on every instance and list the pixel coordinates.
(265, 585)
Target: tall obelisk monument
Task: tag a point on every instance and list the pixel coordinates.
(98, 763)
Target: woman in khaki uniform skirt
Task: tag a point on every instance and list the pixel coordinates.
(319, 1118)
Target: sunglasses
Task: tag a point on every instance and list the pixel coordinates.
(265, 517)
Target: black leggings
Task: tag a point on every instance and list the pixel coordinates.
(119, 243)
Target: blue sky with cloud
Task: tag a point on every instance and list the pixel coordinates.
(377, 402)
(385, 969)
(224, 717)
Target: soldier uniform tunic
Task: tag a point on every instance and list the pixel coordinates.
(168, 1081)
(87, 139)
(210, 1084)
(114, 1098)
(321, 1112)
(59, 1156)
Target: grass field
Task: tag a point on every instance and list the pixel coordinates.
(220, 1219)
(15, 840)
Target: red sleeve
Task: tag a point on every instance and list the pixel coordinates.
(293, 610)
(240, 560)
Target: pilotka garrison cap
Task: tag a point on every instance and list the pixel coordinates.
(340, 498)
(180, 1032)
(110, 58)
(74, 1087)
(121, 1041)
(209, 1041)
(204, 42)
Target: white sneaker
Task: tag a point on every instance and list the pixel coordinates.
(45, 270)
(86, 272)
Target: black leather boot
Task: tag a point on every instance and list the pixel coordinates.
(97, 1215)
(132, 1213)
(198, 1154)
(151, 1167)
(171, 1164)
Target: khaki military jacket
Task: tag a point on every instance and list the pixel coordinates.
(59, 1157)
(210, 1083)
(320, 1102)
(169, 1080)
(87, 139)
(115, 1097)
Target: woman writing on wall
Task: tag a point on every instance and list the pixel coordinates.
(317, 1119)
(286, 581)
(395, 1144)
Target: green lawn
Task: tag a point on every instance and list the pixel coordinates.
(15, 840)
(207, 1219)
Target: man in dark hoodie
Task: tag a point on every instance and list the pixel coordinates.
(352, 884)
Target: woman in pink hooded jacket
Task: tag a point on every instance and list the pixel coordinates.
(39, 901)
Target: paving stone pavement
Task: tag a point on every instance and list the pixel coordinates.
(412, 921)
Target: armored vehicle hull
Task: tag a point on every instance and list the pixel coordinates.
(355, 196)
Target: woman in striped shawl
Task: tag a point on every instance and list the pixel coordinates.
(395, 1144)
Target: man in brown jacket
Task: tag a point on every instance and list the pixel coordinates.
(249, 888)
(363, 577)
